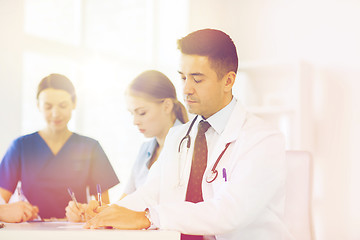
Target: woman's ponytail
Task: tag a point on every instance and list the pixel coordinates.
(180, 111)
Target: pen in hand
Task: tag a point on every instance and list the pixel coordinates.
(73, 198)
(98, 188)
(72, 195)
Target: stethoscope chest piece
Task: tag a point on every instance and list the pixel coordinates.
(210, 177)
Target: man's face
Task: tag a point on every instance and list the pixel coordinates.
(203, 92)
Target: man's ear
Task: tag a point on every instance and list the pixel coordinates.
(168, 105)
(229, 80)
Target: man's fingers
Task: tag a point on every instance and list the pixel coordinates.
(95, 222)
(92, 206)
(91, 210)
(101, 208)
(90, 224)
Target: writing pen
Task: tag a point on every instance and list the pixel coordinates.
(98, 188)
(72, 195)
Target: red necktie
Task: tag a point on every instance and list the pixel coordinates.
(198, 166)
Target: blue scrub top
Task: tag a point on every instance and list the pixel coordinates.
(45, 177)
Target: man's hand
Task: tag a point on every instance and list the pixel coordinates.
(18, 212)
(120, 218)
(93, 209)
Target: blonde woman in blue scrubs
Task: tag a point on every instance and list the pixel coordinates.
(151, 99)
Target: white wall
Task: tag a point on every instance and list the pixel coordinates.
(325, 34)
(11, 26)
(101, 46)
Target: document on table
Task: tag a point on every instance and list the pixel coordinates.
(53, 225)
(72, 226)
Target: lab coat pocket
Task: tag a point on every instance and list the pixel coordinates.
(215, 181)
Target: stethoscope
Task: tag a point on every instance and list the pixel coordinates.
(214, 173)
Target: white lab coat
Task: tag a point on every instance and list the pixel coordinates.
(248, 206)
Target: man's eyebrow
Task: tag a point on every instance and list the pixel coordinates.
(193, 74)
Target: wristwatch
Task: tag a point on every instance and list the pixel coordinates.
(147, 215)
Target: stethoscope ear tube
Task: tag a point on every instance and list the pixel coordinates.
(188, 142)
(187, 136)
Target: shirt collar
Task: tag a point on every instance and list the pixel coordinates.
(219, 119)
(177, 122)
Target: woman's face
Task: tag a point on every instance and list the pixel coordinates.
(56, 106)
(151, 118)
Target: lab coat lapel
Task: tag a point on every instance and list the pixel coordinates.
(230, 134)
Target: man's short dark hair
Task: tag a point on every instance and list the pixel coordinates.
(214, 44)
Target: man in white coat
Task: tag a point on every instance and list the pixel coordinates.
(241, 193)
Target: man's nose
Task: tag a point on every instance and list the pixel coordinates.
(187, 87)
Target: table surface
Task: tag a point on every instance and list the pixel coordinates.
(66, 230)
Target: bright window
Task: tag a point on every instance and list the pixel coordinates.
(101, 45)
